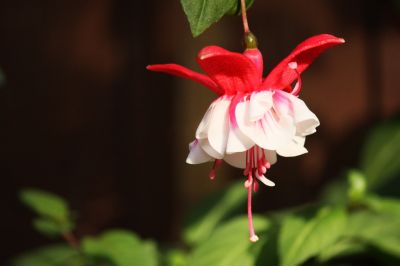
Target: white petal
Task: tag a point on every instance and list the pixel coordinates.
(293, 148)
(305, 120)
(218, 129)
(271, 131)
(236, 159)
(202, 129)
(205, 146)
(270, 156)
(237, 141)
(196, 154)
(260, 103)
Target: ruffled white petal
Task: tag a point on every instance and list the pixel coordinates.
(237, 141)
(260, 103)
(197, 155)
(205, 145)
(269, 132)
(202, 129)
(294, 147)
(275, 121)
(218, 129)
(305, 120)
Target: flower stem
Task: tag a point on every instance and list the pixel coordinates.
(71, 239)
(244, 16)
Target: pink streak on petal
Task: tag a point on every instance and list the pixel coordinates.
(184, 72)
(232, 110)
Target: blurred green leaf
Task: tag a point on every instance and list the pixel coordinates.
(342, 248)
(50, 227)
(46, 204)
(381, 231)
(301, 239)
(381, 161)
(210, 212)
(387, 206)
(121, 247)
(229, 245)
(175, 257)
(357, 186)
(201, 14)
(57, 255)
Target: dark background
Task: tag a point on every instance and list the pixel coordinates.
(80, 116)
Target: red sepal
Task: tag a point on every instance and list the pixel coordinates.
(282, 76)
(184, 72)
(233, 72)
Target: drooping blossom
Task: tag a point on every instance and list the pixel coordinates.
(253, 118)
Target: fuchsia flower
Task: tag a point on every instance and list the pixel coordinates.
(253, 118)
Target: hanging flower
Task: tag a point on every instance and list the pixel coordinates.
(254, 118)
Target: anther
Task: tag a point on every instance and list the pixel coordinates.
(254, 238)
(248, 183)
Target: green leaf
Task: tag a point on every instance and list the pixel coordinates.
(175, 257)
(121, 247)
(301, 239)
(51, 228)
(345, 247)
(381, 231)
(46, 204)
(388, 206)
(57, 255)
(381, 160)
(202, 14)
(210, 212)
(229, 245)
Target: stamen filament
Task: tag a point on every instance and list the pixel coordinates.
(217, 164)
(251, 185)
(253, 236)
(295, 91)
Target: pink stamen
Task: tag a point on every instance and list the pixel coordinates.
(250, 185)
(257, 164)
(255, 185)
(217, 164)
(253, 236)
(212, 174)
(297, 87)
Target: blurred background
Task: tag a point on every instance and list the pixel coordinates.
(81, 116)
